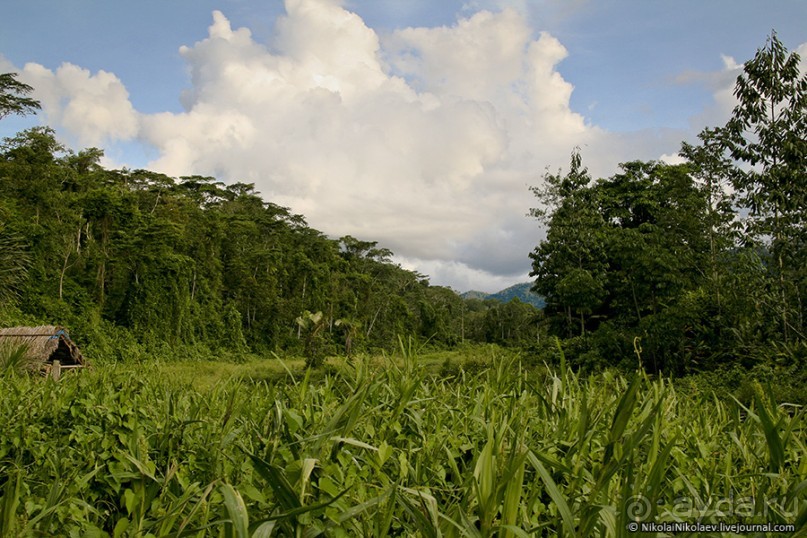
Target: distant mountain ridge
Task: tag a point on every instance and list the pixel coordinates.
(522, 291)
(474, 295)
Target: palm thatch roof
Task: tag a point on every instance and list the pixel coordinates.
(43, 345)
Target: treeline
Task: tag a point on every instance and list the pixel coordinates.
(694, 266)
(133, 260)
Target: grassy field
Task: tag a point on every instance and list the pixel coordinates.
(444, 444)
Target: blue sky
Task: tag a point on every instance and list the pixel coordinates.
(416, 123)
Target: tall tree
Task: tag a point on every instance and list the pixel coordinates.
(767, 132)
(570, 264)
(713, 169)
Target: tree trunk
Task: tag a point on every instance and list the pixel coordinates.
(370, 328)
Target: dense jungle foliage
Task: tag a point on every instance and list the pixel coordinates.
(696, 266)
(132, 260)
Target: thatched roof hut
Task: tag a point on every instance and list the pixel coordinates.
(44, 345)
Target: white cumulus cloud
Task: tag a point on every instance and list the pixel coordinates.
(424, 139)
(93, 108)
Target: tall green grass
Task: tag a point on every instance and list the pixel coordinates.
(386, 447)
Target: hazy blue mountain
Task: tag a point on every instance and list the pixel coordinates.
(522, 291)
(473, 294)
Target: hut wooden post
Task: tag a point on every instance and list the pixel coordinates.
(56, 370)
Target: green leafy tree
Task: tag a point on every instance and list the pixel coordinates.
(351, 330)
(623, 252)
(714, 170)
(570, 264)
(767, 132)
(513, 323)
(311, 327)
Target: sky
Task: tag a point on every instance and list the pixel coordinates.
(420, 124)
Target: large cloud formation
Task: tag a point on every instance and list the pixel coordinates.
(93, 108)
(425, 139)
